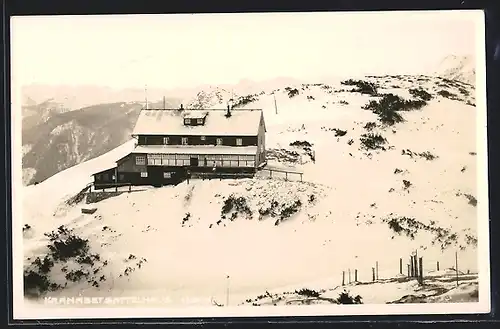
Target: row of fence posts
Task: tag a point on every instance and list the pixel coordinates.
(415, 269)
(349, 281)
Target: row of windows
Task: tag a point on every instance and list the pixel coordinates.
(121, 177)
(185, 159)
(200, 157)
(184, 141)
(191, 121)
(202, 163)
(166, 174)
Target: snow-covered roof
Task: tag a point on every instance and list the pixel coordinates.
(196, 149)
(242, 122)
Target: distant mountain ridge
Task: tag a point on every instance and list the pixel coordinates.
(63, 139)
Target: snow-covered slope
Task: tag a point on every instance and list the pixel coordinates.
(355, 208)
(462, 68)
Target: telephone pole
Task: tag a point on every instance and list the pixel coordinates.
(275, 105)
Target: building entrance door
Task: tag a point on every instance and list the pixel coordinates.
(194, 162)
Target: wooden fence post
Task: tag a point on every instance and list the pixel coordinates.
(376, 267)
(416, 263)
(456, 265)
(355, 275)
(437, 265)
(411, 267)
(420, 270)
(373, 273)
(349, 275)
(408, 265)
(343, 278)
(401, 266)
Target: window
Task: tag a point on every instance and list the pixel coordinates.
(165, 141)
(203, 138)
(183, 156)
(245, 157)
(219, 141)
(97, 177)
(154, 159)
(167, 175)
(199, 121)
(113, 177)
(239, 141)
(140, 160)
(122, 177)
(144, 174)
(187, 121)
(184, 141)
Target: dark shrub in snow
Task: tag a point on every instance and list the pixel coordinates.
(346, 298)
(301, 144)
(370, 126)
(388, 107)
(420, 93)
(238, 204)
(406, 184)
(372, 141)
(186, 218)
(66, 245)
(292, 92)
(36, 284)
(339, 132)
(363, 87)
(446, 94)
(244, 100)
(426, 155)
(288, 210)
(472, 199)
(307, 292)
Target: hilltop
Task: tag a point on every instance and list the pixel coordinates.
(389, 166)
(462, 68)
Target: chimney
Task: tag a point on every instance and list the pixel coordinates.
(182, 107)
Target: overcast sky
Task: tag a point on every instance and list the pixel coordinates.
(183, 50)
